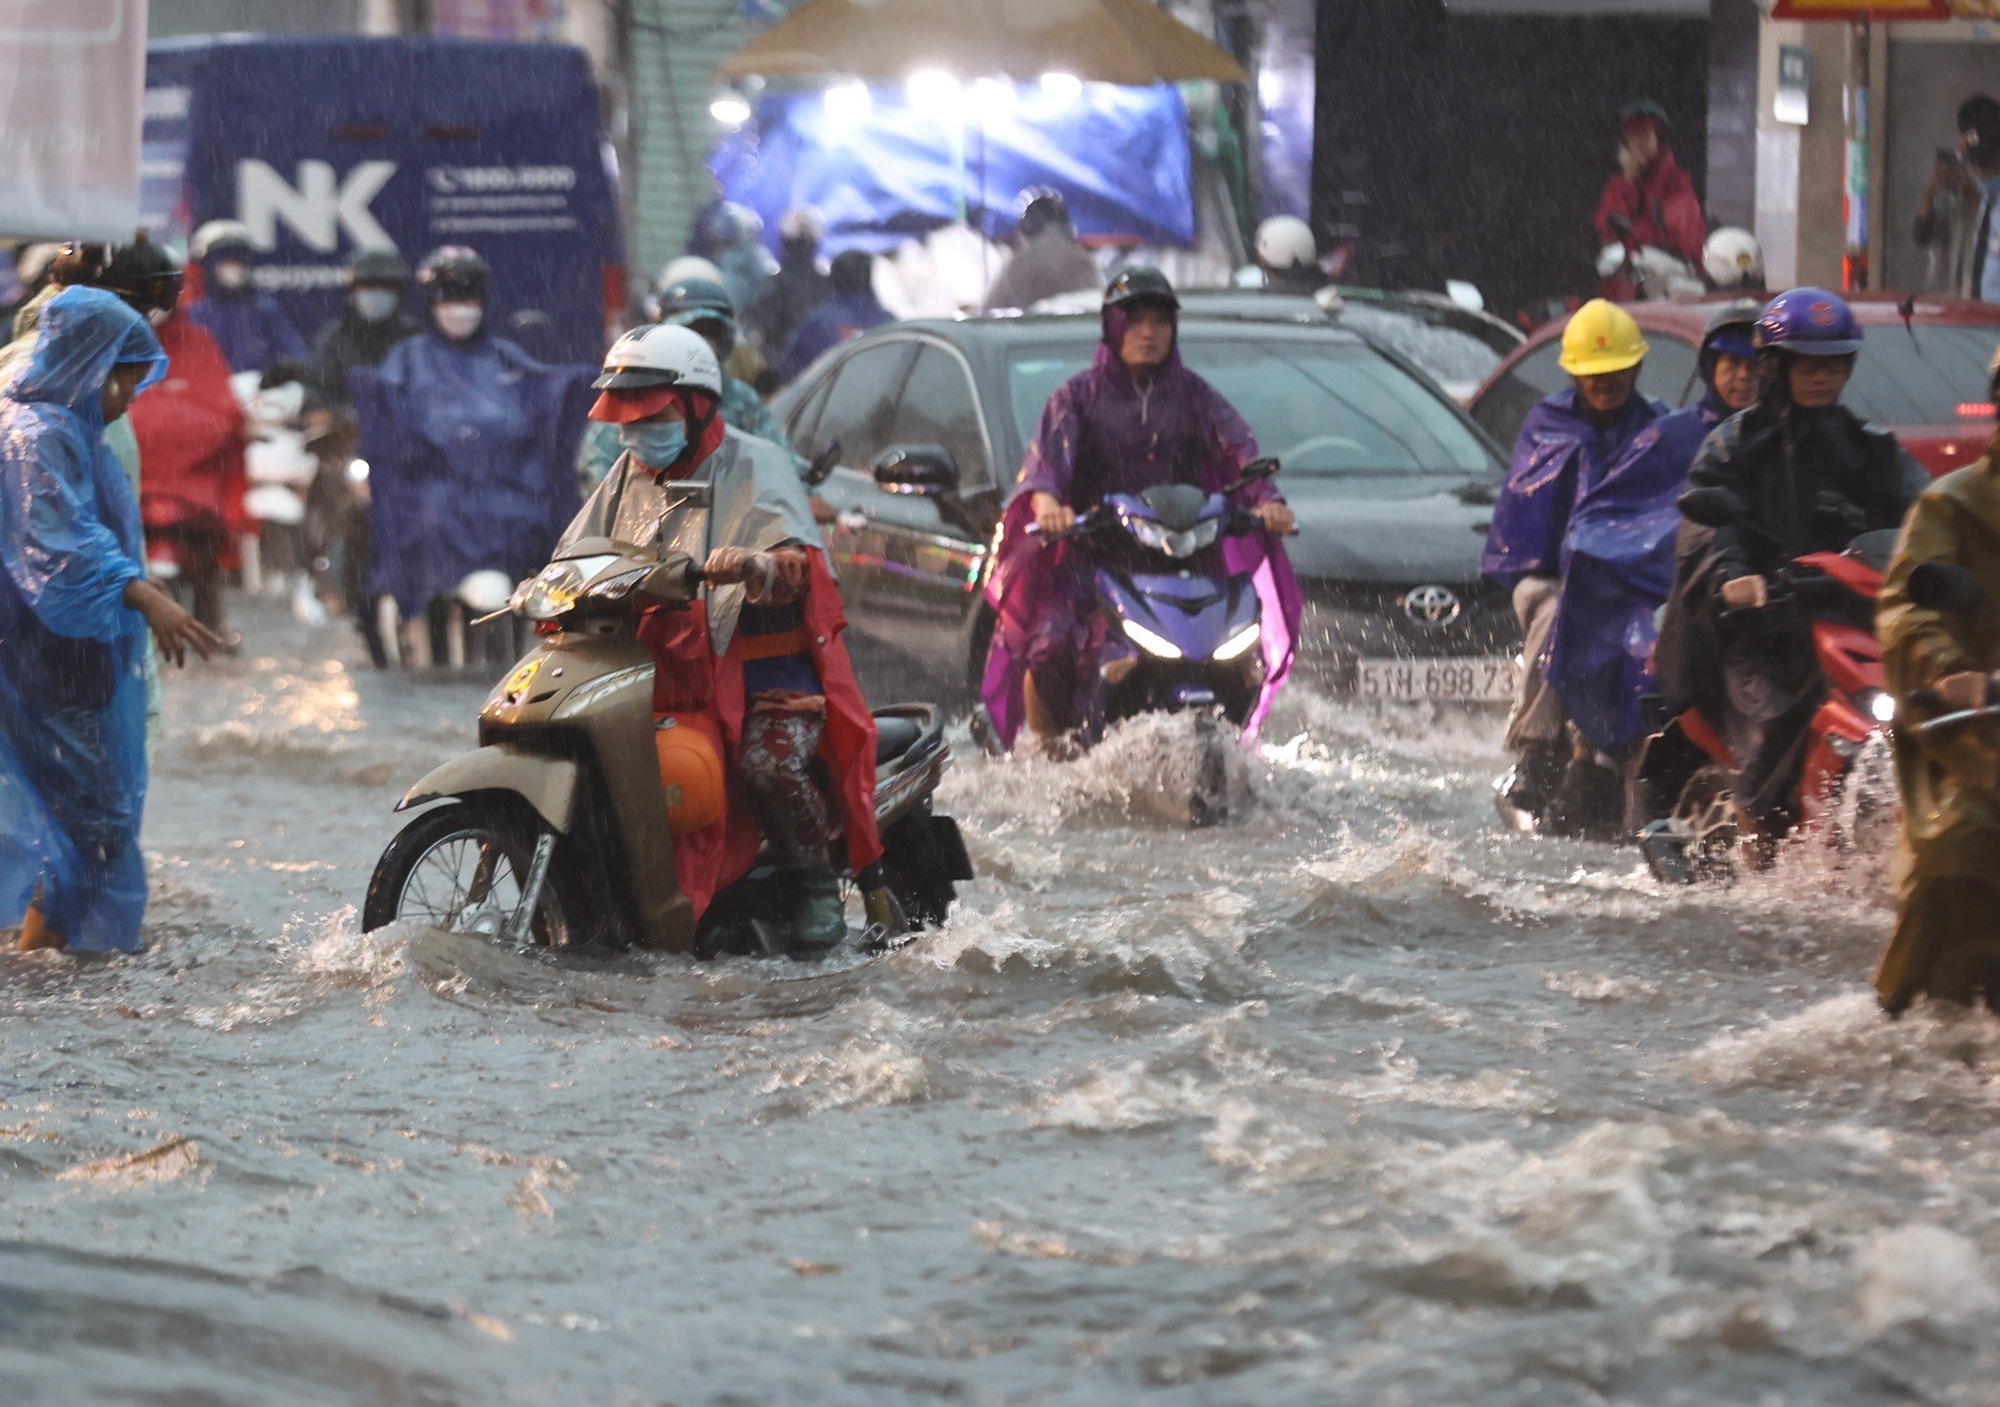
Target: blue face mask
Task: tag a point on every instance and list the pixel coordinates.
(655, 443)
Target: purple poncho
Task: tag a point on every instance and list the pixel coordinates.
(1106, 431)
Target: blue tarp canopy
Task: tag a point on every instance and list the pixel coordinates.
(1118, 155)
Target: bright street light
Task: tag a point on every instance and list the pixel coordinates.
(935, 93)
(730, 110)
(1062, 87)
(849, 104)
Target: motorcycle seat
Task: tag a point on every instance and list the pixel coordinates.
(894, 736)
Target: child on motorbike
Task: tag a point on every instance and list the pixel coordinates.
(761, 658)
(1810, 476)
(1946, 944)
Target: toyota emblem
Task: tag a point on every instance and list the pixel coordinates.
(1433, 607)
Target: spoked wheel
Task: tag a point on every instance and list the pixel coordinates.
(463, 868)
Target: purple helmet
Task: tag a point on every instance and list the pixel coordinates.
(1809, 321)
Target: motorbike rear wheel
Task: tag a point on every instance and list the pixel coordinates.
(462, 867)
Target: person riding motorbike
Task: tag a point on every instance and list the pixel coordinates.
(705, 307)
(371, 322)
(1049, 261)
(1135, 419)
(761, 660)
(1618, 558)
(471, 445)
(250, 327)
(1810, 476)
(1288, 256)
(1569, 443)
(1947, 864)
(1649, 201)
(800, 285)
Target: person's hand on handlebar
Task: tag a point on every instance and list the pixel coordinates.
(1969, 689)
(1276, 518)
(1746, 591)
(728, 565)
(1052, 515)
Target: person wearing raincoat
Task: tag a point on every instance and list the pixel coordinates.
(1569, 444)
(850, 310)
(1649, 200)
(250, 328)
(704, 306)
(759, 663)
(74, 609)
(1618, 551)
(1811, 476)
(1135, 419)
(470, 442)
(1946, 870)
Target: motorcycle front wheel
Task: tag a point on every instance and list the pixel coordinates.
(462, 868)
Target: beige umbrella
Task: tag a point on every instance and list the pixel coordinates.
(1104, 41)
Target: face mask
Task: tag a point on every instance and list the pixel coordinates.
(458, 321)
(232, 276)
(655, 443)
(375, 304)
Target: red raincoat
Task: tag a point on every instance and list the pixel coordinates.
(191, 438)
(1662, 210)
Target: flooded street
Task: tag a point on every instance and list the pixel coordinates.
(1352, 1100)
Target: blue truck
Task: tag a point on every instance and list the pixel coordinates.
(325, 146)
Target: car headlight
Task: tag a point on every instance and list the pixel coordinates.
(1241, 641)
(1157, 537)
(1152, 642)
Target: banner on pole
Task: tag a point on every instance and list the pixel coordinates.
(69, 117)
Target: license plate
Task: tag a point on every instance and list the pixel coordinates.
(1478, 680)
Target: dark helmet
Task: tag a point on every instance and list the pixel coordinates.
(378, 266)
(1731, 332)
(79, 264)
(1142, 283)
(689, 295)
(852, 271)
(1041, 208)
(146, 275)
(451, 273)
(1644, 110)
(1810, 322)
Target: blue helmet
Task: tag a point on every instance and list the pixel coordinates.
(1811, 322)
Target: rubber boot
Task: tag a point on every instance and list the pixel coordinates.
(819, 918)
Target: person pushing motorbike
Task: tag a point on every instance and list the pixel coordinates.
(762, 656)
(1946, 944)
(1808, 475)
(1135, 419)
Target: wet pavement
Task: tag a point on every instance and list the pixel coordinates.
(1355, 1099)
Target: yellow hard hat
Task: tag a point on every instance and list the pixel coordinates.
(1601, 337)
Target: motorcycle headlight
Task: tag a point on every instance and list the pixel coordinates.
(1240, 642)
(617, 588)
(557, 588)
(1152, 642)
(1879, 705)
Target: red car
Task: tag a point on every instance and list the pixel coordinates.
(1927, 381)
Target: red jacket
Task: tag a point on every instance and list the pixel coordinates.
(190, 433)
(1661, 210)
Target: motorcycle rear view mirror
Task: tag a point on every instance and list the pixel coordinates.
(925, 470)
(1711, 507)
(1263, 467)
(1942, 586)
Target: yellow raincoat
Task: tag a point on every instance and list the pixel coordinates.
(1947, 865)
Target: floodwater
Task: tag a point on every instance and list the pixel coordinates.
(1354, 1100)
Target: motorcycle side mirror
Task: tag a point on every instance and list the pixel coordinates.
(1263, 467)
(925, 470)
(1711, 507)
(822, 463)
(1942, 586)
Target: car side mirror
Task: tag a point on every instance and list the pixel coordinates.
(1711, 507)
(924, 470)
(1942, 586)
(822, 463)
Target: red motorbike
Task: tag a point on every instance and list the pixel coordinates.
(1847, 786)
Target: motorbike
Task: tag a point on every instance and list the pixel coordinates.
(1182, 634)
(554, 834)
(1847, 786)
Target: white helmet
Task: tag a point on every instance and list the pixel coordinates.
(1732, 259)
(661, 355)
(219, 232)
(686, 267)
(1286, 242)
(802, 222)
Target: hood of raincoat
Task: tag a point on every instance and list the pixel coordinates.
(82, 334)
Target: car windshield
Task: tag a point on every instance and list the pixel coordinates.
(1334, 412)
(1450, 355)
(1925, 374)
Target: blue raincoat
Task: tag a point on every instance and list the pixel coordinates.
(72, 654)
(1560, 456)
(472, 448)
(1617, 571)
(251, 329)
